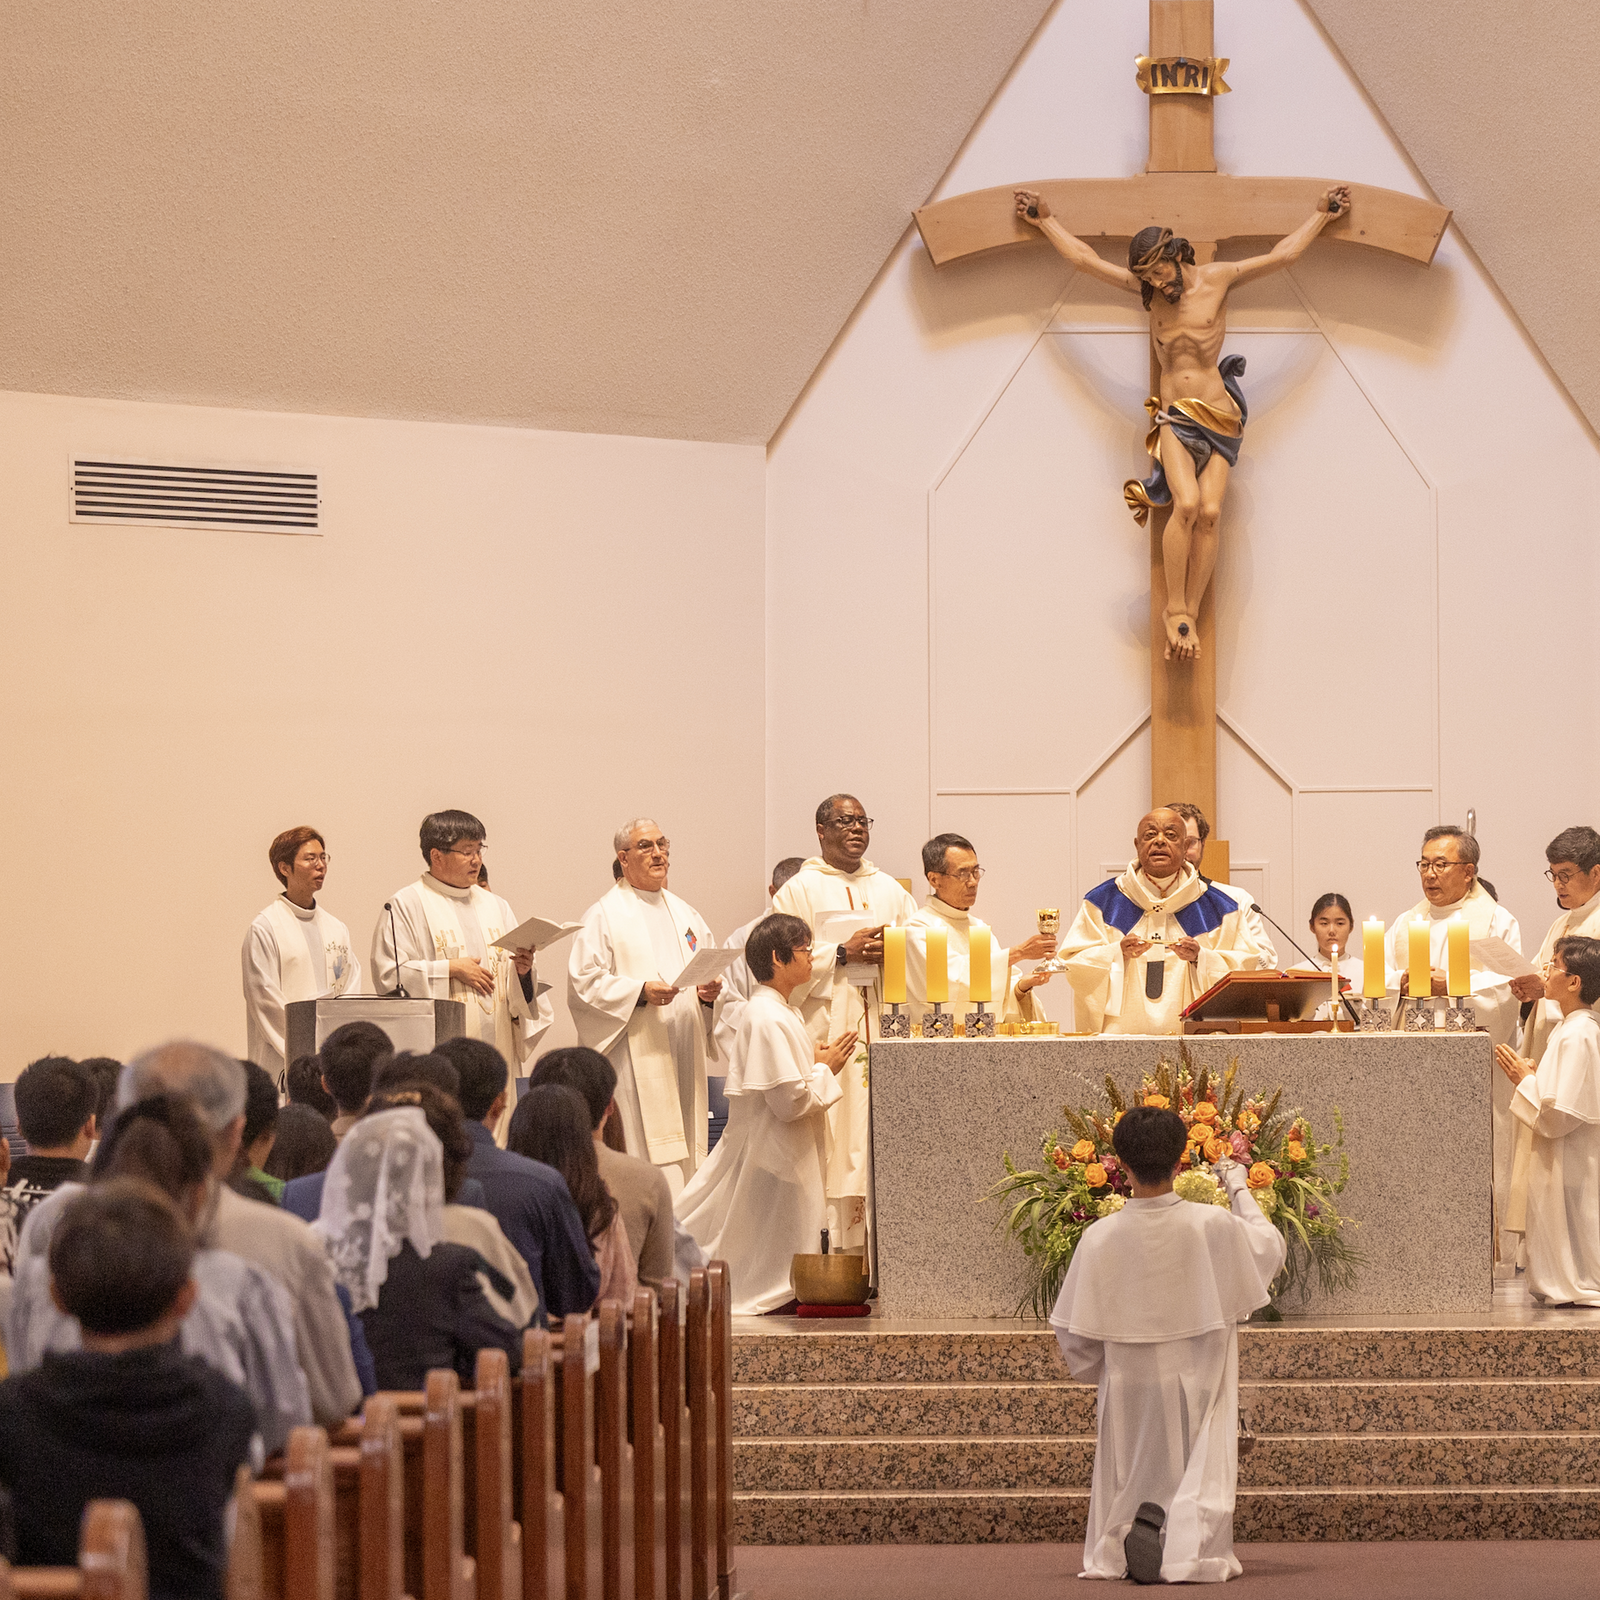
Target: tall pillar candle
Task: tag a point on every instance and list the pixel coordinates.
(1334, 1007)
(1373, 967)
(1458, 965)
(894, 966)
(980, 979)
(938, 966)
(1420, 963)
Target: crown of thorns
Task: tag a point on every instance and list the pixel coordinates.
(1157, 253)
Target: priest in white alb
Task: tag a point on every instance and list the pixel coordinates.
(633, 943)
(1574, 857)
(846, 902)
(1558, 1102)
(295, 949)
(758, 1201)
(1150, 1312)
(446, 925)
(1154, 938)
(1197, 829)
(950, 865)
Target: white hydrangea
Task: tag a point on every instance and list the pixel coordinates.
(1267, 1199)
(1111, 1203)
(1200, 1187)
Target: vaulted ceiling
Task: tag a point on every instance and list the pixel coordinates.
(616, 218)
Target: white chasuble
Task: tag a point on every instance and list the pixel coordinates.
(1150, 1312)
(291, 953)
(1560, 1105)
(1005, 1002)
(758, 1201)
(436, 924)
(1147, 993)
(631, 937)
(832, 1007)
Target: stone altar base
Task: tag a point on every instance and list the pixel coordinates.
(1417, 1116)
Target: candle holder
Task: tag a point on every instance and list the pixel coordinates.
(1418, 1013)
(1371, 1017)
(938, 1024)
(1459, 1017)
(892, 1024)
(980, 1023)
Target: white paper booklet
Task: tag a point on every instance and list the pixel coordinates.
(706, 965)
(536, 933)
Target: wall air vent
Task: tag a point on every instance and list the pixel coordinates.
(263, 498)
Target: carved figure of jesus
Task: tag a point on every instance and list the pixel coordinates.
(1197, 421)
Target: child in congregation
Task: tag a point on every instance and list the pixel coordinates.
(128, 1415)
(1150, 1312)
(1559, 1101)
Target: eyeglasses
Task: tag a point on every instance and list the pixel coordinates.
(845, 824)
(800, 950)
(650, 847)
(474, 854)
(325, 860)
(1562, 879)
(965, 875)
(1437, 869)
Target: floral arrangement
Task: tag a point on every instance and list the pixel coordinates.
(1079, 1181)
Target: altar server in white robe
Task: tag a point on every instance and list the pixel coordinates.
(738, 982)
(1150, 1312)
(295, 949)
(447, 924)
(1197, 829)
(841, 882)
(950, 865)
(1333, 924)
(1559, 1102)
(1574, 857)
(634, 941)
(758, 1201)
(1152, 939)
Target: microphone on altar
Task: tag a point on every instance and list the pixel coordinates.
(1296, 943)
(399, 990)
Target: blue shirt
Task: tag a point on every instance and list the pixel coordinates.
(536, 1213)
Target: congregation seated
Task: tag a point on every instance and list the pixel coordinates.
(641, 1189)
(304, 1145)
(57, 1102)
(348, 1058)
(241, 1322)
(249, 1177)
(303, 1085)
(129, 1413)
(551, 1125)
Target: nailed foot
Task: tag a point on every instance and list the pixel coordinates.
(1183, 638)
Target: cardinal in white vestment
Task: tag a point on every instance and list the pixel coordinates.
(758, 1201)
(295, 949)
(950, 865)
(446, 924)
(834, 893)
(1150, 1312)
(634, 942)
(1559, 1103)
(1154, 938)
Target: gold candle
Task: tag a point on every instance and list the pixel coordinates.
(1458, 968)
(894, 966)
(1421, 962)
(1373, 972)
(980, 974)
(938, 966)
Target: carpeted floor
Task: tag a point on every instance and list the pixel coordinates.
(1549, 1570)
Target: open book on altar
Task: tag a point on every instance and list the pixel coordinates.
(1264, 1001)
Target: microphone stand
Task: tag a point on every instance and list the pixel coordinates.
(399, 982)
(1292, 940)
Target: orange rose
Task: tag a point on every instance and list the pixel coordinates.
(1295, 1150)
(1215, 1149)
(1095, 1175)
(1261, 1176)
(1198, 1132)
(1083, 1150)
(1206, 1111)
(1159, 1101)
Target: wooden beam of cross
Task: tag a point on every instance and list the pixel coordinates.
(1182, 189)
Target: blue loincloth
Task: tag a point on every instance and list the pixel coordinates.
(1185, 418)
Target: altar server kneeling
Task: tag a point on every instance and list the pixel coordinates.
(1149, 1311)
(1559, 1100)
(758, 1201)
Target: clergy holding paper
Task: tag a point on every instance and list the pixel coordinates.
(633, 943)
(1154, 938)
(447, 924)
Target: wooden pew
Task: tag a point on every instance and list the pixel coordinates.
(649, 1450)
(537, 1498)
(296, 1520)
(614, 1454)
(497, 1537)
(381, 1503)
(448, 1572)
(703, 1435)
(721, 1339)
(578, 1362)
(111, 1561)
(677, 1477)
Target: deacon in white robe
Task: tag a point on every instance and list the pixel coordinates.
(1148, 942)
(446, 925)
(758, 1201)
(1559, 1103)
(1574, 857)
(950, 865)
(833, 893)
(295, 949)
(1196, 831)
(738, 982)
(1149, 1312)
(634, 942)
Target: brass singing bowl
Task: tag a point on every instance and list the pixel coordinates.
(830, 1280)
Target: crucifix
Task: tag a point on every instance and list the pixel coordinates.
(1194, 436)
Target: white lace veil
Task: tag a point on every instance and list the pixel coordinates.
(385, 1187)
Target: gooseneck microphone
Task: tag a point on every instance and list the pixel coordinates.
(1292, 940)
(399, 981)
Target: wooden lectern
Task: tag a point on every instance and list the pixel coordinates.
(1263, 1002)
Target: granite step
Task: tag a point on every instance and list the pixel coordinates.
(1054, 1462)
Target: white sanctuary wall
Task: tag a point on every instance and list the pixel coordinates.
(1407, 546)
(517, 623)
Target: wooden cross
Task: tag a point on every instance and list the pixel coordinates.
(1180, 188)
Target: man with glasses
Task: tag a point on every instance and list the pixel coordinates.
(446, 924)
(1574, 857)
(950, 865)
(840, 890)
(295, 949)
(1154, 938)
(635, 939)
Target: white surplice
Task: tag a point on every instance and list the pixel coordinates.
(1150, 1312)
(738, 984)
(1560, 1104)
(758, 1200)
(1113, 990)
(631, 937)
(291, 953)
(1006, 1003)
(1581, 922)
(831, 1008)
(437, 924)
